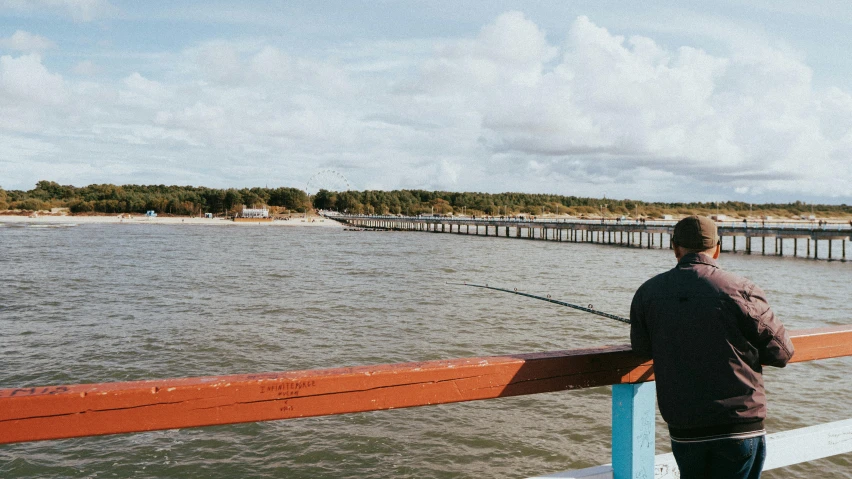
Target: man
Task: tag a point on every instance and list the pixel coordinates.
(709, 333)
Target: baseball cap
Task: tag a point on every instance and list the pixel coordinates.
(696, 232)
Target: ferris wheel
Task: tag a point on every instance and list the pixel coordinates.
(327, 179)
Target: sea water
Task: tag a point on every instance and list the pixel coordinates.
(121, 302)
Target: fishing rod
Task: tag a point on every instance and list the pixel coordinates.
(590, 309)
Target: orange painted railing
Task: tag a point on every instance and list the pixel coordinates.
(55, 412)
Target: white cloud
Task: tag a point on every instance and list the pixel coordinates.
(79, 10)
(12, 146)
(272, 64)
(512, 108)
(86, 68)
(26, 42)
(614, 104)
(220, 62)
(509, 51)
(139, 91)
(25, 79)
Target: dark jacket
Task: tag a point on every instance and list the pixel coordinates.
(709, 332)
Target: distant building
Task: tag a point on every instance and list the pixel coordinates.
(254, 213)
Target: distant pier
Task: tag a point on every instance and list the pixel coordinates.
(797, 239)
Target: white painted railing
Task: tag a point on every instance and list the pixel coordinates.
(633, 414)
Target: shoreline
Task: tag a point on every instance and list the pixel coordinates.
(309, 221)
(67, 220)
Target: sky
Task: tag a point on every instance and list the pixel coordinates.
(654, 101)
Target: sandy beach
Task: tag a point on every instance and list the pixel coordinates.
(68, 220)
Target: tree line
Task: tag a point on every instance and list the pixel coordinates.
(176, 200)
(417, 202)
(192, 200)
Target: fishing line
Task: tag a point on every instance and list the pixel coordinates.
(589, 309)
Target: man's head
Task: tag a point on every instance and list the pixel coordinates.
(696, 234)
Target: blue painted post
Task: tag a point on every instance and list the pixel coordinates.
(633, 415)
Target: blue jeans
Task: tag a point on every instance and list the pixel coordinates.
(721, 459)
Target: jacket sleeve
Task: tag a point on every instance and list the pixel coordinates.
(640, 340)
(770, 337)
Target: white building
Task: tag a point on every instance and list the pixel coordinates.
(254, 213)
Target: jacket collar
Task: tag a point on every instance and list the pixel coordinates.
(697, 258)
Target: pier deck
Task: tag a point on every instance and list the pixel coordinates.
(787, 238)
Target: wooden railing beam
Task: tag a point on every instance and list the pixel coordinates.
(55, 412)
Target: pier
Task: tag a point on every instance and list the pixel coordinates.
(797, 239)
(37, 413)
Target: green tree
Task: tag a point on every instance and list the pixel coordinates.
(192, 200)
(290, 198)
(251, 199)
(80, 206)
(325, 200)
(214, 200)
(442, 206)
(233, 199)
(31, 204)
(348, 202)
(50, 190)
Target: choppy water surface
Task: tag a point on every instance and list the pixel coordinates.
(98, 303)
